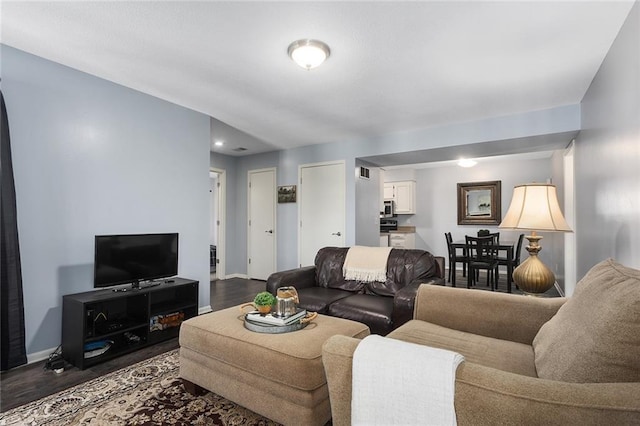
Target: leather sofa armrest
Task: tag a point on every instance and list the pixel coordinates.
(404, 300)
(503, 316)
(298, 278)
(440, 262)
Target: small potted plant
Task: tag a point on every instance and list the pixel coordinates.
(264, 301)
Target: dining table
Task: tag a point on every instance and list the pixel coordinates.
(506, 246)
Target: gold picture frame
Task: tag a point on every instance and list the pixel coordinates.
(479, 203)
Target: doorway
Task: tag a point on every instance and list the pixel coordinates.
(321, 209)
(217, 207)
(261, 231)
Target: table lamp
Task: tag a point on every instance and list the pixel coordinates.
(534, 207)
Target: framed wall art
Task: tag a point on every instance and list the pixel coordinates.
(479, 203)
(287, 194)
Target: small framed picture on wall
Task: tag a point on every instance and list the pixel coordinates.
(287, 194)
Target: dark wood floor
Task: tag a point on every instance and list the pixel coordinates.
(461, 281)
(31, 382)
(234, 291)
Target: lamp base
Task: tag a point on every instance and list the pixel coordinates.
(533, 276)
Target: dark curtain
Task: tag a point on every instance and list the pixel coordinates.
(12, 348)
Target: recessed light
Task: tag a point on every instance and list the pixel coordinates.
(218, 143)
(466, 162)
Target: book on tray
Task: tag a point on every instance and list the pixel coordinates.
(270, 319)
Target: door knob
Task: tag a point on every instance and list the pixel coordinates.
(336, 233)
(270, 231)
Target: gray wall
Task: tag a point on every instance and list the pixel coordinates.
(368, 205)
(607, 157)
(287, 162)
(91, 157)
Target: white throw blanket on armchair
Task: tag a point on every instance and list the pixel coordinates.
(366, 264)
(402, 383)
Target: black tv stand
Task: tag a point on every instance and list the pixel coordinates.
(137, 286)
(148, 285)
(128, 319)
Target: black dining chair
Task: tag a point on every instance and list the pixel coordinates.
(515, 262)
(496, 241)
(482, 253)
(487, 233)
(455, 257)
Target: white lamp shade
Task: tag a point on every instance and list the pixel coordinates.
(535, 207)
(308, 53)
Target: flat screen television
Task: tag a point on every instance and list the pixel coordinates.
(132, 258)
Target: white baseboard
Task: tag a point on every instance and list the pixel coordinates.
(40, 356)
(245, 276)
(204, 309)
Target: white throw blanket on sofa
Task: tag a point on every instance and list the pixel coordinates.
(402, 383)
(366, 264)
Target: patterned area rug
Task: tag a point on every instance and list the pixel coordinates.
(146, 393)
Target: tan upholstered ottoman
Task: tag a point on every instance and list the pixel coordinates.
(279, 376)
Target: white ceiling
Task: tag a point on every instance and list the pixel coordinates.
(394, 66)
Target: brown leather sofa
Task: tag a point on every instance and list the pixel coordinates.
(383, 306)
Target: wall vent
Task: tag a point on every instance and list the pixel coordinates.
(240, 149)
(364, 173)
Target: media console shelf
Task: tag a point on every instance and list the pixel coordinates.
(125, 321)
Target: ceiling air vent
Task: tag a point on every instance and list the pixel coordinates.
(240, 149)
(364, 173)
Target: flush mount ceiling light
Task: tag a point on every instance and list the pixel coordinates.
(308, 53)
(218, 143)
(466, 162)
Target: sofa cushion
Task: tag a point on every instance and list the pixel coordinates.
(329, 262)
(595, 336)
(500, 354)
(318, 299)
(375, 311)
(403, 268)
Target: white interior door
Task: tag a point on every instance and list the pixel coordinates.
(262, 227)
(214, 185)
(321, 209)
(219, 221)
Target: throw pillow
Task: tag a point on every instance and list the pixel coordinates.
(595, 336)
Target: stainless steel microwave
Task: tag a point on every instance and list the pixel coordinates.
(389, 208)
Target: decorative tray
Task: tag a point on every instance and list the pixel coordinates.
(273, 329)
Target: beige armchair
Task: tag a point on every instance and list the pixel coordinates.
(527, 361)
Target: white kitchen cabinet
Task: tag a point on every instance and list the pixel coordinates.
(405, 240)
(403, 193)
(388, 191)
(384, 240)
